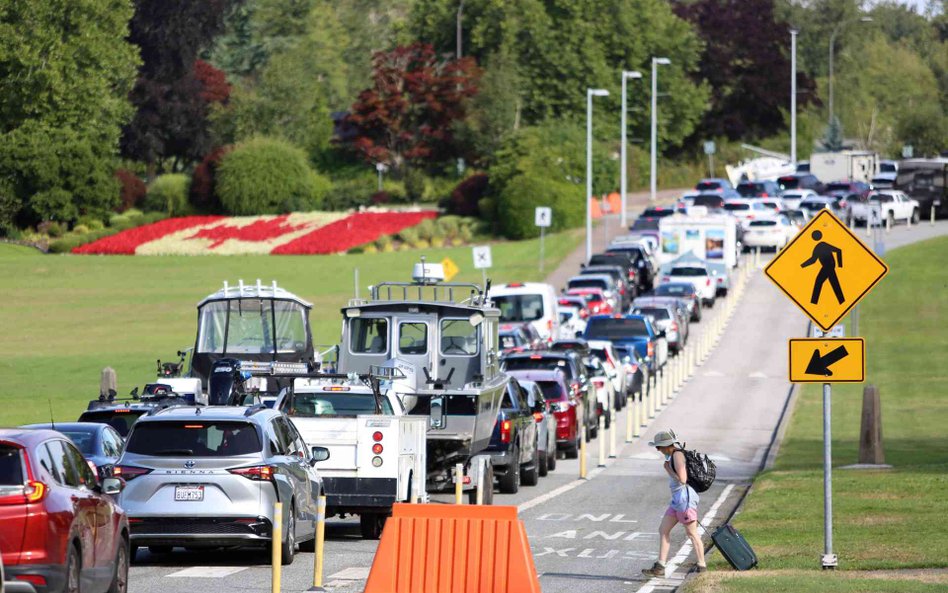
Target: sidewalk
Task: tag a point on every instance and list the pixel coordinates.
(604, 230)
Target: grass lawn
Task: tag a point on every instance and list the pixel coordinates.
(882, 519)
(65, 317)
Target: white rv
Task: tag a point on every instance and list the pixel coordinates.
(711, 237)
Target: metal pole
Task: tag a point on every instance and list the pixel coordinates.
(654, 134)
(355, 279)
(320, 541)
(623, 181)
(589, 166)
(793, 95)
(855, 321)
(831, 49)
(933, 215)
(629, 417)
(542, 233)
(276, 545)
(613, 419)
(829, 558)
(480, 483)
(582, 448)
(458, 32)
(602, 441)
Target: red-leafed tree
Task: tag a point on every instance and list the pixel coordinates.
(408, 114)
(214, 81)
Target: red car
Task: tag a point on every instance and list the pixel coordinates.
(596, 301)
(566, 407)
(59, 526)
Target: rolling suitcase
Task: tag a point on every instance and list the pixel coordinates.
(734, 548)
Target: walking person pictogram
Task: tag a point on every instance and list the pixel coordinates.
(829, 257)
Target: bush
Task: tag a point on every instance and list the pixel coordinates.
(467, 194)
(169, 194)
(131, 189)
(449, 225)
(426, 229)
(415, 184)
(53, 229)
(54, 204)
(203, 194)
(91, 222)
(268, 176)
(409, 235)
(516, 205)
(487, 208)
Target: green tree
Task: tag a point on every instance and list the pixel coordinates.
(925, 129)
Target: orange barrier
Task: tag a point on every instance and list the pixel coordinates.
(428, 548)
(615, 202)
(594, 208)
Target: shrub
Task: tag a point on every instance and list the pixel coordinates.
(383, 242)
(203, 194)
(168, 194)
(370, 248)
(426, 229)
(415, 184)
(467, 194)
(449, 225)
(420, 244)
(268, 176)
(131, 189)
(409, 235)
(54, 204)
(53, 229)
(79, 229)
(437, 242)
(91, 222)
(517, 203)
(487, 208)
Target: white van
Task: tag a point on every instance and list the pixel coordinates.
(528, 302)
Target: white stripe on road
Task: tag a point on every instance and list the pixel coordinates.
(208, 572)
(562, 489)
(685, 549)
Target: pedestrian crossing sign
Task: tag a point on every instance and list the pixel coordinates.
(826, 270)
(450, 269)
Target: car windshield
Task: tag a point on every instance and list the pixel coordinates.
(252, 326)
(674, 290)
(120, 420)
(508, 341)
(880, 198)
(194, 438)
(11, 472)
(611, 328)
(749, 189)
(688, 271)
(332, 403)
(788, 182)
(519, 307)
(539, 363)
(735, 207)
(553, 391)
(657, 313)
(812, 205)
(887, 168)
(645, 224)
(84, 441)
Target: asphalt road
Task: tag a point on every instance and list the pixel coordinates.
(592, 535)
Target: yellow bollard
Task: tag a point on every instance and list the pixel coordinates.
(888, 224)
(613, 419)
(602, 441)
(652, 394)
(629, 417)
(637, 415)
(582, 452)
(665, 386)
(933, 215)
(458, 483)
(276, 543)
(320, 542)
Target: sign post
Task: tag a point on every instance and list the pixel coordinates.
(482, 260)
(543, 218)
(709, 149)
(826, 270)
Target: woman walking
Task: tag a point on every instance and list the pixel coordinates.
(683, 507)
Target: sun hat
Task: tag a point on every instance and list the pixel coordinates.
(664, 438)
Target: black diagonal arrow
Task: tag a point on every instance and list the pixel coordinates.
(820, 365)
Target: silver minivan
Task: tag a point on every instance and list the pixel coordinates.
(209, 477)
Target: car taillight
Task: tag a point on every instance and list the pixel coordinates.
(256, 473)
(599, 383)
(37, 580)
(549, 324)
(32, 492)
(583, 314)
(129, 472)
(651, 349)
(764, 195)
(538, 416)
(505, 431)
(674, 326)
(666, 279)
(707, 282)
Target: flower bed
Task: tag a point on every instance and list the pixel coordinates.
(288, 234)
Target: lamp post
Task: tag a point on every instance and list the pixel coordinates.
(832, 49)
(626, 74)
(590, 93)
(458, 29)
(793, 96)
(656, 62)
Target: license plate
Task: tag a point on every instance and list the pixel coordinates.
(189, 493)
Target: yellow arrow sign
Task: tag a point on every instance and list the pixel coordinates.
(831, 360)
(450, 269)
(826, 270)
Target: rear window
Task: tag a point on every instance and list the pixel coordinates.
(588, 283)
(759, 223)
(837, 187)
(887, 168)
(736, 207)
(688, 271)
(709, 201)
(674, 290)
(332, 403)
(615, 329)
(789, 183)
(519, 307)
(655, 312)
(194, 438)
(645, 224)
(706, 185)
(121, 421)
(11, 470)
(553, 391)
(542, 363)
(509, 341)
(749, 189)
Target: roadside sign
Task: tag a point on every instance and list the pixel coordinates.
(543, 217)
(825, 270)
(482, 258)
(837, 331)
(709, 147)
(450, 269)
(907, 151)
(827, 360)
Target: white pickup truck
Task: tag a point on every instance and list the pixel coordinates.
(889, 205)
(375, 460)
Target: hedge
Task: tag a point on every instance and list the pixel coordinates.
(169, 194)
(517, 204)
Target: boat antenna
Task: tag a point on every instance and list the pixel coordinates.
(51, 421)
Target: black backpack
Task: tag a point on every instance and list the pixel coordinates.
(701, 470)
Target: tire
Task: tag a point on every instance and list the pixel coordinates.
(551, 459)
(120, 576)
(288, 546)
(132, 553)
(159, 549)
(544, 463)
(891, 217)
(531, 477)
(72, 571)
(371, 525)
(608, 420)
(594, 431)
(573, 451)
(915, 216)
(510, 481)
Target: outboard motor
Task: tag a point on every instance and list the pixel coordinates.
(225, 387)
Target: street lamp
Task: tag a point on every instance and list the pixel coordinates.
(656, 62)
(793, 96)
(622, 176)
(590, 93)
(839, 27)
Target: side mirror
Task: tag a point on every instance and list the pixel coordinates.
(661, 334)
(319, 454)
(112, 486)
(578, 334)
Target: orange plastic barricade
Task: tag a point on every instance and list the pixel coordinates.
(429, 548)
(595, 208)
(615, 202)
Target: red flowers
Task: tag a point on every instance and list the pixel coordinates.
(126, 242)
(354, 230)
(261, 230)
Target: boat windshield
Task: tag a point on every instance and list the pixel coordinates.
(252, 326)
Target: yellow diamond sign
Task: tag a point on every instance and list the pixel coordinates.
(450, 269)
(827, 360)
(826, 270)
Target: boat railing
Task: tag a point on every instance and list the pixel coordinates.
(452, 293)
